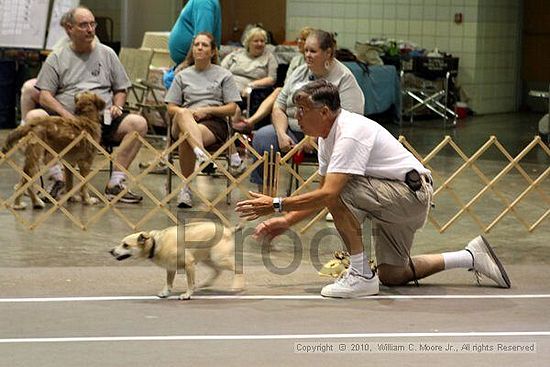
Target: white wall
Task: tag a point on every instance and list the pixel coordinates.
(487, 42)
(498, 55)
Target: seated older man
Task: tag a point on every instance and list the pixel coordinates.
(82, 64)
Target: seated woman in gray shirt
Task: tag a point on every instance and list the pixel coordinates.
(253, 66)
(285, 132)
(200, 98)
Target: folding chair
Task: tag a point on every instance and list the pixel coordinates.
(137, 64)
(431, 89)
(158, 42)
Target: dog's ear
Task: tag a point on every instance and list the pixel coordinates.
(142, 238)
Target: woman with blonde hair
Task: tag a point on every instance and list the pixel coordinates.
(266, 106)
(253, 66)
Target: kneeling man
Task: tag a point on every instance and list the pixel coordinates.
(366, 173)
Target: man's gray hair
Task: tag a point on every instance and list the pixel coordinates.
(69, 18)
(64, 21)
(320, 93)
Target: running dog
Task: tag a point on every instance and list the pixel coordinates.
(205, 242)
(58, 132)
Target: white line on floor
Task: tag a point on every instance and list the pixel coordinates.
(271, 337)
(269, 297)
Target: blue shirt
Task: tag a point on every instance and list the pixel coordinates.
(196, 16)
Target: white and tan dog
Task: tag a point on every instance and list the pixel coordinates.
(205, 242)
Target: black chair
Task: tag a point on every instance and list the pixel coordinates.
(253, 101)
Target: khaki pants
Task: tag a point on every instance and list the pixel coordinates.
(395, 210)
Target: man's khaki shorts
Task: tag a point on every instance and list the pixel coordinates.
(395, 210)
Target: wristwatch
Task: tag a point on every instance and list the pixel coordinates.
(278, 204)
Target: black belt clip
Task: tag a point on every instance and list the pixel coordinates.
(413, 180)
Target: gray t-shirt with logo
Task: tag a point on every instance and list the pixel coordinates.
(214, 86)
(66, 73)
(246, 69)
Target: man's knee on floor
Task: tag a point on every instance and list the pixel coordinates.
(391, 275)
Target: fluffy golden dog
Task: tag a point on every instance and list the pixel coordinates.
(205, 242)
(58, 132)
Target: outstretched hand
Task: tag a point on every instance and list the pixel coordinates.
(271, 228)
(254, 208)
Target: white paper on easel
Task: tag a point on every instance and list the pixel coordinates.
(23, 23)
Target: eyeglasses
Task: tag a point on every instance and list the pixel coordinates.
(85, 25)
(301, 111)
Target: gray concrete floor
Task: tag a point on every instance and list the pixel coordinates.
(64, 301)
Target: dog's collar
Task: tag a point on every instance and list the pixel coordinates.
(152, 250)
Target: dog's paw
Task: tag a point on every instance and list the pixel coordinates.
(207, 283)
(20, 206)
(164, 293)
(75, 199)
(238, 283)
(185, 296)
(38, 204)
(236, 290)
(91, 201)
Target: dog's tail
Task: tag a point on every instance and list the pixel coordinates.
(15, 136)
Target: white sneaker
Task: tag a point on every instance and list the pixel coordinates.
(184, 199)
(487, 263)
(329, 217)
(352, 285)
(210, 168)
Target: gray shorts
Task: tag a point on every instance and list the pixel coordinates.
(395, 210)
